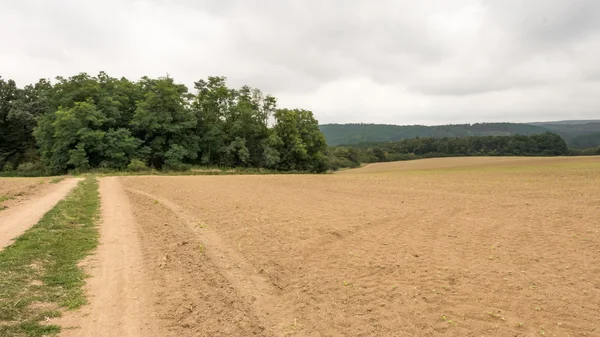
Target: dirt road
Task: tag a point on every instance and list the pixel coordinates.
(119, 290)
(16, 220)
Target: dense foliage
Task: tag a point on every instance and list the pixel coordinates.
(346, 134)
(575, 133)
(545, 144)
(87, 122)
(586, 141)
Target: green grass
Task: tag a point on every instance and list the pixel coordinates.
(196, 170)
(39, 275)
(56, 180)
(3, 198)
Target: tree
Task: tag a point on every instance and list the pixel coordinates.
(71, 137)
(85, 122)
(9, 127)
(164, 122)
(302, 146)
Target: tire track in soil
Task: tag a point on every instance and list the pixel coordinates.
(15, 221)
(118, 290)
(256, 289)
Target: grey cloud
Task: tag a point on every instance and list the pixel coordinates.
(393, 61)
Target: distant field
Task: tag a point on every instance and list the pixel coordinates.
(456, 246)
(14, 189)
(481, 163)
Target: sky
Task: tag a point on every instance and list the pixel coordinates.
(349, 61)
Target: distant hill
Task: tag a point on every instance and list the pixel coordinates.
(345, 134)
(575, 133)
(566, 122)
(571, 131)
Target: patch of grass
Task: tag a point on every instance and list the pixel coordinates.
(4, 198)
(194, 170)
(39, 273)
(56, 180)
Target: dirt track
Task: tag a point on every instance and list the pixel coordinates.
(465, 249)
(119, 287)
(17, 219)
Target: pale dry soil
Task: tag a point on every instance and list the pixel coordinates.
(14, 191)
(26, 201)
(441, 247)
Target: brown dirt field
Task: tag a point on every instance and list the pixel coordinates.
(471, 163)
(14, 191)
(456, 247)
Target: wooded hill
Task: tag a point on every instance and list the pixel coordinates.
(543, 144)
(577, 135)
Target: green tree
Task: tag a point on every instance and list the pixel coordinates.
(165, 123)
(302, 145)
(71, 137)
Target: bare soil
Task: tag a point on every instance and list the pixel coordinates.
(456, 247)
(119, 288)
(34, 200)
(14, 191)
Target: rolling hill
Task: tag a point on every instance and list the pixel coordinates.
(576, 134)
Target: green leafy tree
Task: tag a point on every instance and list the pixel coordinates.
(164, 122)
(302, 145)
(85, 122)
(71, 135)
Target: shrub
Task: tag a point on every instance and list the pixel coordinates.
(177, 168)
(137, 165)
(28, 167)
(8, 167)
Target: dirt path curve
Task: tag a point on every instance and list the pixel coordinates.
(15, 221)
(119, 290)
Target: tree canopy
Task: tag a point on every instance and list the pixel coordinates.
(545, 144)
(347, 134)
(85, 122)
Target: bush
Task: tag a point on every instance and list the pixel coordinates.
(177, 168)
(137, 165)
(28, 167)
(8, 167)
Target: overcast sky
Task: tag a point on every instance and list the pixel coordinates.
(384, 61)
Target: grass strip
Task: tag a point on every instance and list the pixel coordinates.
(39, 276)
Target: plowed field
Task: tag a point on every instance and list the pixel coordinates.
(457, 247)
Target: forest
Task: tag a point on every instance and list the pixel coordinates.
(544, 144)
(577, 134)
(86, 122)
(346, 134)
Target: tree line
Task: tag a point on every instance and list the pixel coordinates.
(86, 122)
(544, 144)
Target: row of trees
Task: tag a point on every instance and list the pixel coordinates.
(545, 144)
(87, 121)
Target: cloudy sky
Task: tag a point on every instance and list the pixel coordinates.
(384, 61)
